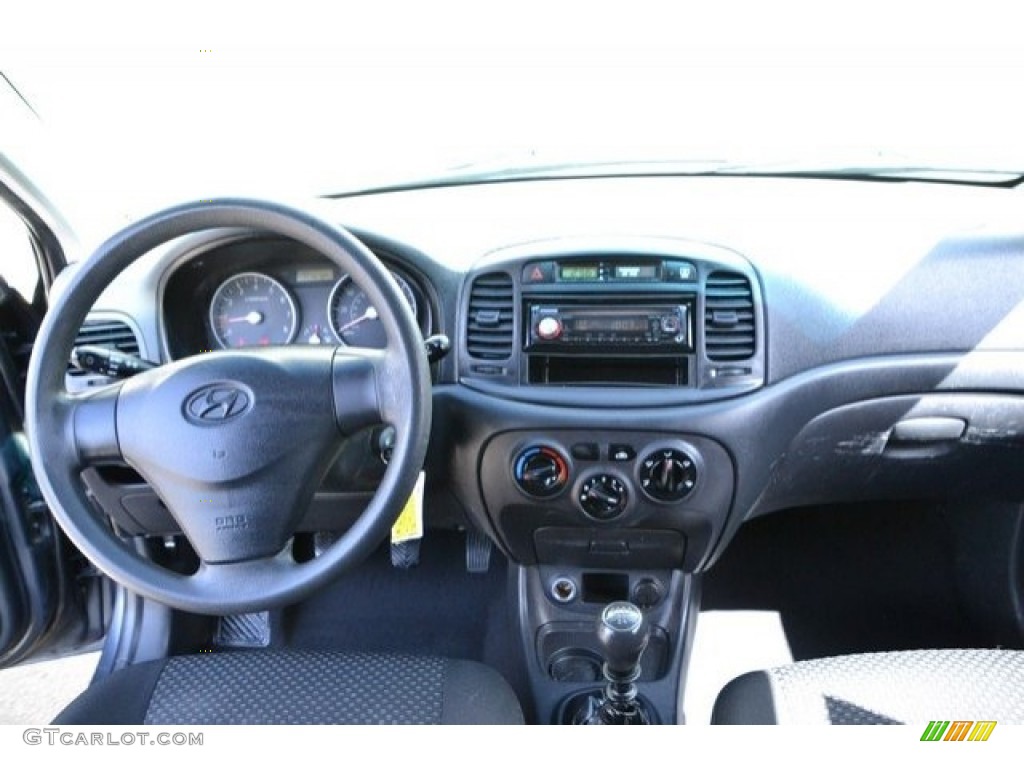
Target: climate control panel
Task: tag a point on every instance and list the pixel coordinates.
(566, 493)
(665, 474)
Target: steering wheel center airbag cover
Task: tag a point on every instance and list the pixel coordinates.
(234, 443)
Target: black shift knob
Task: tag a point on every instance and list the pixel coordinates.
(623, 634)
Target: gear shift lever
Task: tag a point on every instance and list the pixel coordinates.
(622, 633)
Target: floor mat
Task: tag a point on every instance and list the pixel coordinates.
(848, 579)
(436, 607)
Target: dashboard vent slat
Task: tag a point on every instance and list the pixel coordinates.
(113, 334)
(490, 326)
(730, 333)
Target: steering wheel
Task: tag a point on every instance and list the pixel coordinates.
(234, 442)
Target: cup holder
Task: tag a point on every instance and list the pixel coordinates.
(575, 665)
(569, 652)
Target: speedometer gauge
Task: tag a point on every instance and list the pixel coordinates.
(354, 320)
(251, 309)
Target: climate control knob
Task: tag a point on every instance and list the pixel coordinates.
(668, 474)
(603, 497)
(541, 471)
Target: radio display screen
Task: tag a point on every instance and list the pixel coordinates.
(609, 323)
(579, 272)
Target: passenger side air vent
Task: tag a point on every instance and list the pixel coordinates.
(729, 331)
(490, 331)
(114, 334)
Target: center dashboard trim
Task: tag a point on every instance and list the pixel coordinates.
(697, 377)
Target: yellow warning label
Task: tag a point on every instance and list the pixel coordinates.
(409, 524)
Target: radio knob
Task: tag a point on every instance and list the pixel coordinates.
(549, 328)
(670, 324)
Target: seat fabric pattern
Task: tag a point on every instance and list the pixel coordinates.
(298, 687)
(906, 687)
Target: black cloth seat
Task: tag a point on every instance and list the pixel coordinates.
(904, 687)
(297, 687)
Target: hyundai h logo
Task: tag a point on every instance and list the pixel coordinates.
(215, 404)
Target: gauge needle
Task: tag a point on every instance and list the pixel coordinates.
(253, 318)
(369, 314)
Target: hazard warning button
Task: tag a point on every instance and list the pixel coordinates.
(539, 272)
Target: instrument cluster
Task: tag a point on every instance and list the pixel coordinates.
(271, 292)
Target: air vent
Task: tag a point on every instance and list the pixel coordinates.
(490, 332)
(114, 334)
(729, 332)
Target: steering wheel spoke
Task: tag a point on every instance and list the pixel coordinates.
(243, 574)
(93, 419)
(359, 381)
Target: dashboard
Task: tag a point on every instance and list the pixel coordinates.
(639, 366)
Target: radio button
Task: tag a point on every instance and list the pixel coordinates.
(670, 324)
(549, 328)
(680, 272)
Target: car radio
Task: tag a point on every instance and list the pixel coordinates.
(585, 328)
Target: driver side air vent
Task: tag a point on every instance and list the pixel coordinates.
(490, 331)
(729, 331)
(114, 334)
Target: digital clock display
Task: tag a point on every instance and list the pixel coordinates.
(636, 271)
(578, 272)
(314, 275)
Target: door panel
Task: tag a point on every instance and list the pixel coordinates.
(48, 594)
(29, 589)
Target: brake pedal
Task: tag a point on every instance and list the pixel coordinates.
(405, 554)
(243, 630)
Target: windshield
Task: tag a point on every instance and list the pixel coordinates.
(125, 134)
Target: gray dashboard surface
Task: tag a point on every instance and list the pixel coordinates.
(848, 269)
(870, 291)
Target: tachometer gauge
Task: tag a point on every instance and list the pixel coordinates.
(354, 320)
(251, 309)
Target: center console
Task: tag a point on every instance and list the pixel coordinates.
(596, 513)
(595, 518)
